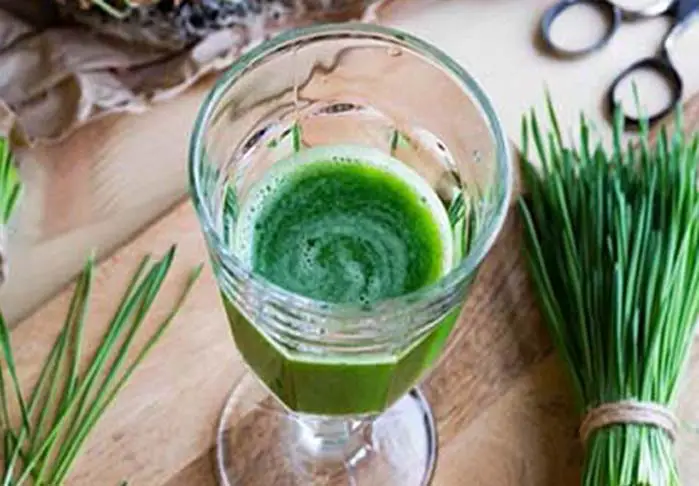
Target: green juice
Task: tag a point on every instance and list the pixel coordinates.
(344, 224)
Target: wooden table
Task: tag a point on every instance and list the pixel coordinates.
(500, 396)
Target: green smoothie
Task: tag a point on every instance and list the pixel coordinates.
(344, 224)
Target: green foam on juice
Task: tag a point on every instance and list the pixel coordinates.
(341, 224)
(344, 225)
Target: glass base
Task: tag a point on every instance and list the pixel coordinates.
(260, 443)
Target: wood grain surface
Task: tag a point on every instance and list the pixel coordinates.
(500, 396)
(93, 192)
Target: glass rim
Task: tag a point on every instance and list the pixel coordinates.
(434, 291)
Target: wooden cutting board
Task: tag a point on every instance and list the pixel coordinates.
(500, 395)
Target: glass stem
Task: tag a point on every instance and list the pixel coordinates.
(331, 440)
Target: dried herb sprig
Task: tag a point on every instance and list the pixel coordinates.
(612, 240)
(70, 396)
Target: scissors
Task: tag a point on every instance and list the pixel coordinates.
(682, 13)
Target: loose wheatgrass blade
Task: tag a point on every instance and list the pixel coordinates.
(75, 314)
(612, 243)
(98, 366)
(72, 401)
(130, 298)
(108, 397)
(152, 284)
(10, 185)
(10, 189)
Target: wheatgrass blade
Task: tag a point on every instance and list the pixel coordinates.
(77, 400)
(106, 399)
(147, 293)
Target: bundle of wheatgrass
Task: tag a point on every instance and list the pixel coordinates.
(45, 425)
(612, 241)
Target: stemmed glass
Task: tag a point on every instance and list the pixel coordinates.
(329, 397)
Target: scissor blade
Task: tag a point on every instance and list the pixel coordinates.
(684, 8)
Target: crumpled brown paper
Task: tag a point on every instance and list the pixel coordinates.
(56, 77)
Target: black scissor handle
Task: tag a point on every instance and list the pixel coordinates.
(653, 8)
(611, 13)
(666, 70)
